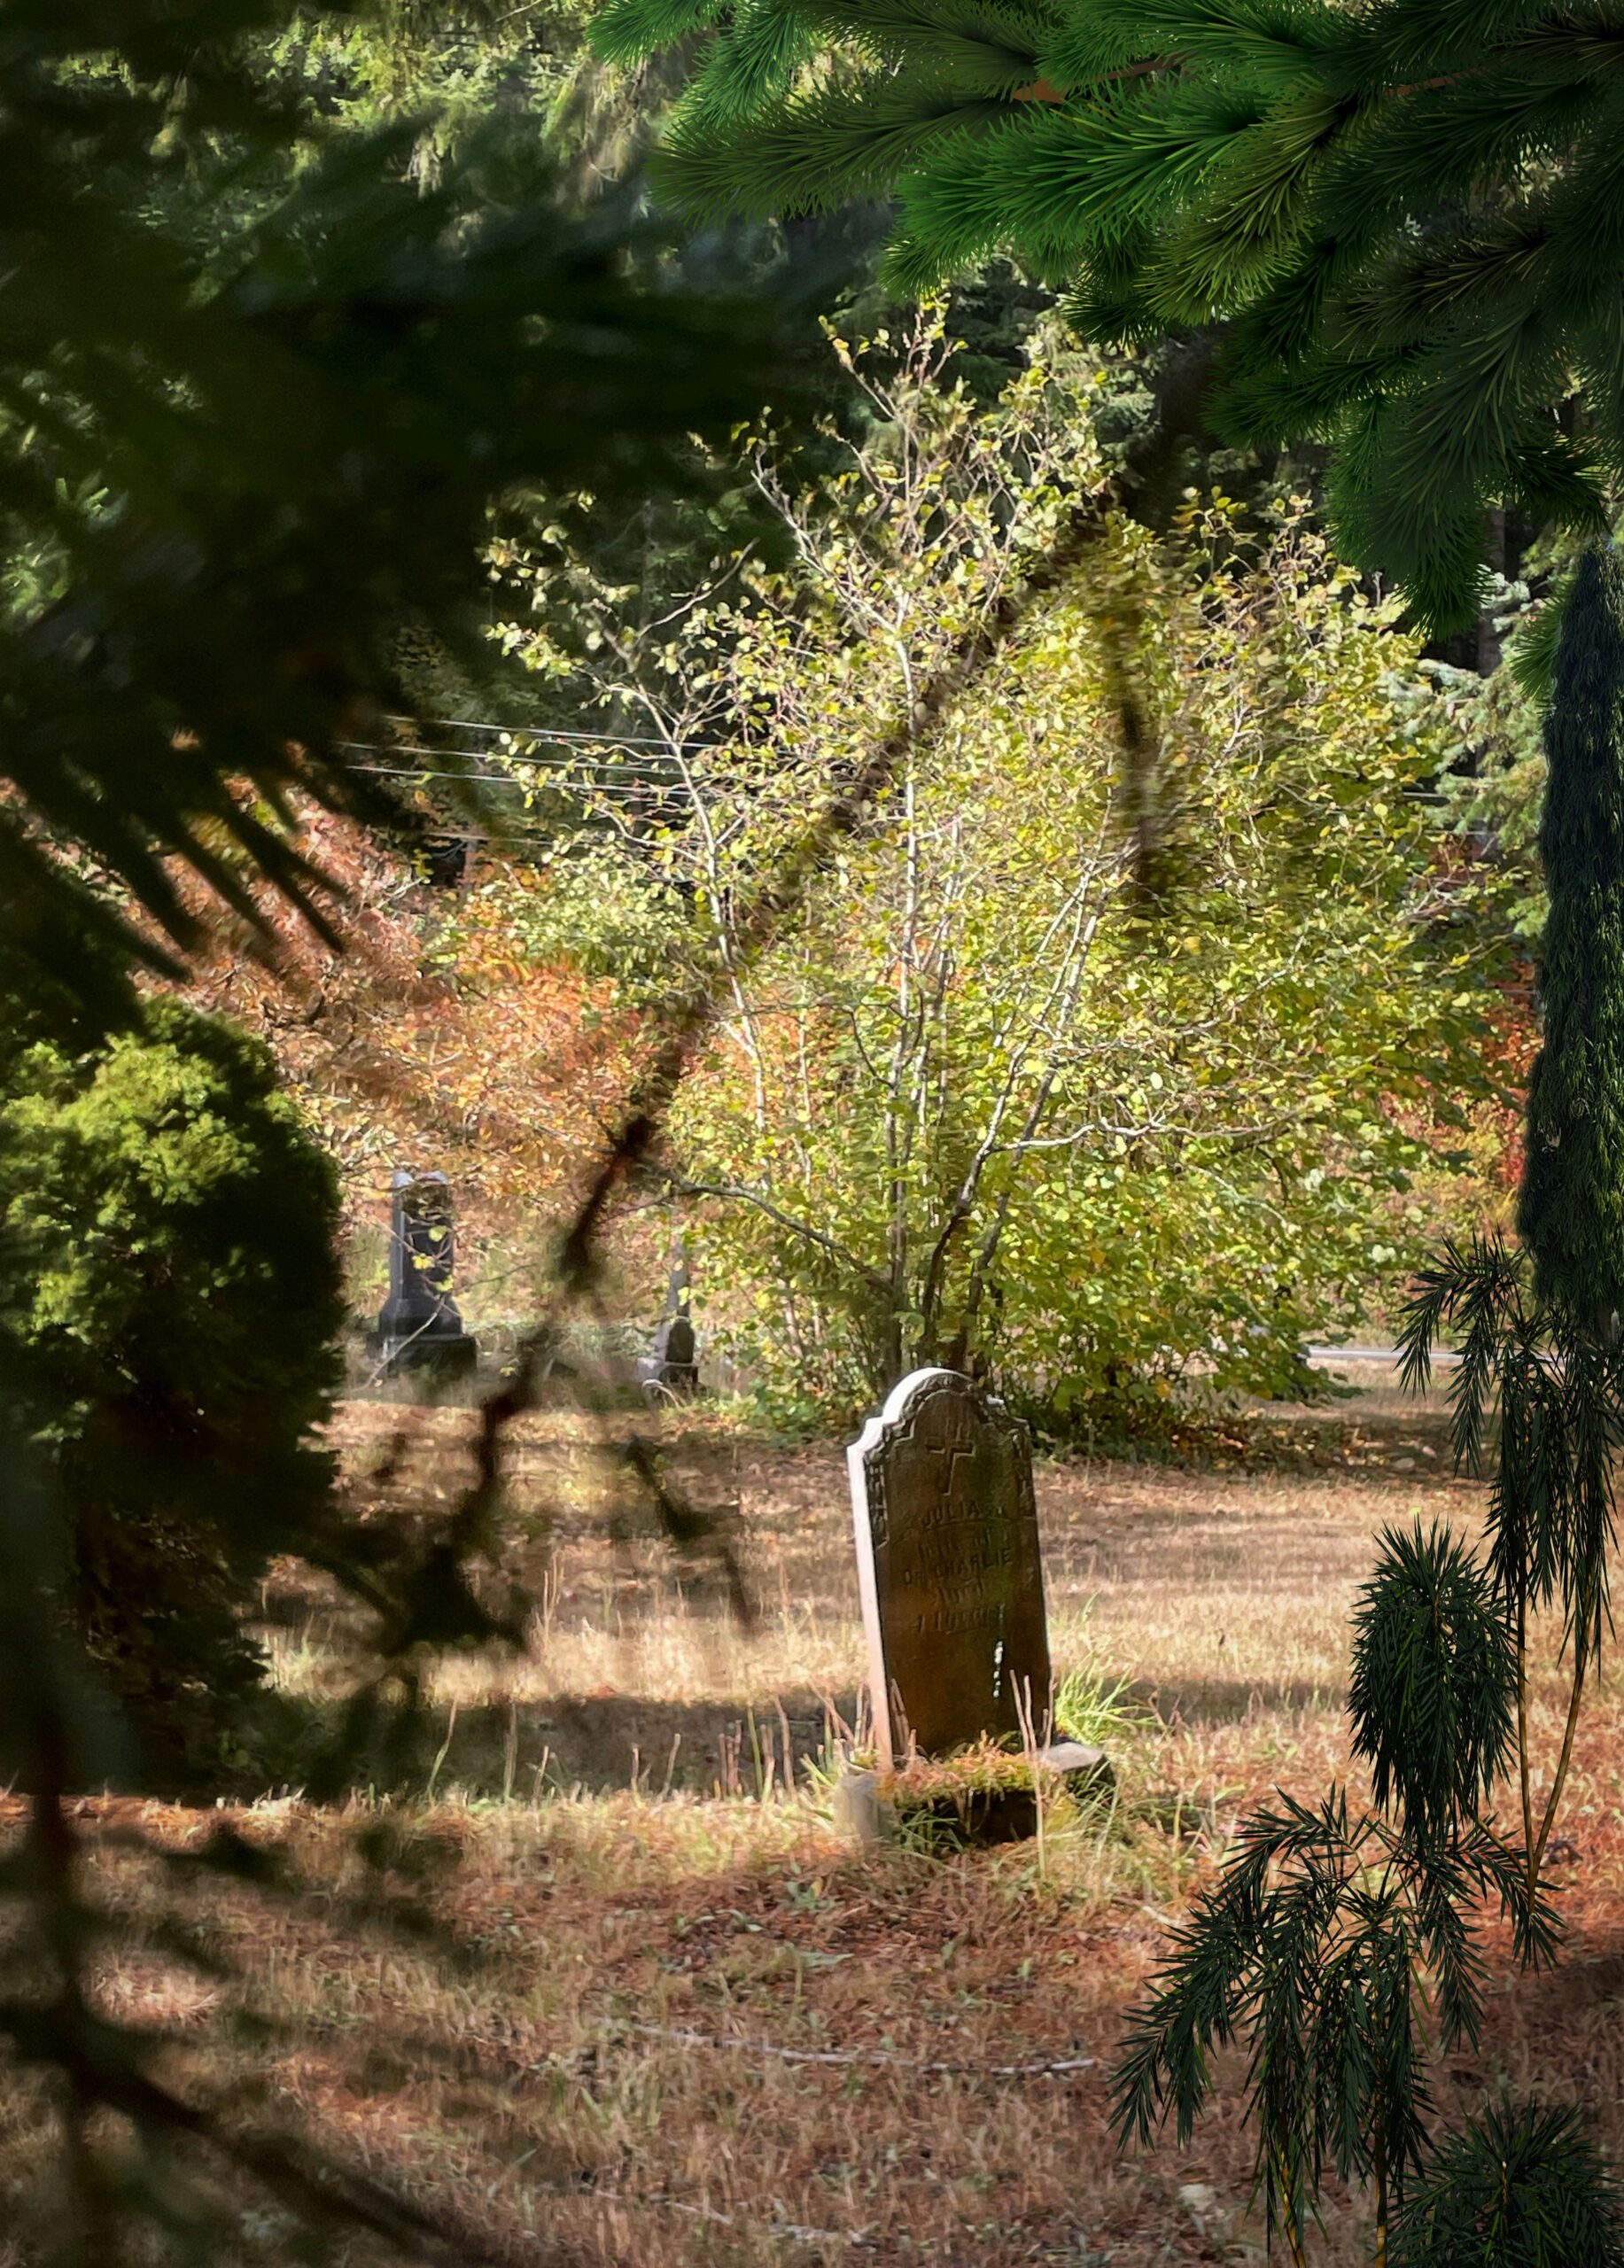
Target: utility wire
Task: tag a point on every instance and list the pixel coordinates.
(555, 733)
(649, 789)
(639, 767)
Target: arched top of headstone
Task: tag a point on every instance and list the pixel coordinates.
(928, 1409)
(949, 1568)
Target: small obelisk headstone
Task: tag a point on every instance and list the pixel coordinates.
(950, 1570)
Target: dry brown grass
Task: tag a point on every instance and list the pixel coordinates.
(593, 2081)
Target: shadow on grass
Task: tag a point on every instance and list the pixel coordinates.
(603, 1743)
(597, 1742)
(1229, 1701)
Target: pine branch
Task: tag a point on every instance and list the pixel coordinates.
(1276, 44)
(920, 32)
(1396, 44)
(1253, 212)
(764, 45)
(1414, 213)
(1420, 147)
(1055, 182)
(813, 152)
(630, 31)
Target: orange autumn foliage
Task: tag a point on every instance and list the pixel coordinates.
(426, 1038)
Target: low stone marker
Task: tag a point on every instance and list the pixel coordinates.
(950, 1570)
(671, 1367)
(672, 1364)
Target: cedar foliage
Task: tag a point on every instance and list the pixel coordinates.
(170, 1311)
(1409, 215)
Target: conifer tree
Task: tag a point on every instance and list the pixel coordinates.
(261, 390)
(1571, 1214)
(1443, 1645)
(1410, 214)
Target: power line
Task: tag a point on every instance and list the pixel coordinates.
(640, 789)
(559, 733)
(639, 767)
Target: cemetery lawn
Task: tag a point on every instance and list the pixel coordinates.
(685, 2023)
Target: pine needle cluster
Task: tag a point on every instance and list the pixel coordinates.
(1341, 1950)
(1410, 214)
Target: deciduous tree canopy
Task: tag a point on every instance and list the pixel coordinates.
(1095, 1068)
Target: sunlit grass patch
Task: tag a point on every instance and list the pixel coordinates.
(650, 2011)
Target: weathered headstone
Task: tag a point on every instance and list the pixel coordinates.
(672, 1361)
(950, 1570)
(672, 1364)
(418, 1324)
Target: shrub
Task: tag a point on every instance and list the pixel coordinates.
(169, 1309)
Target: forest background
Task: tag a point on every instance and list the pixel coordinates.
(1173, 1003)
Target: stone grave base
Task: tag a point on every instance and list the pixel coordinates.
(442, 1355)
(970, 1802)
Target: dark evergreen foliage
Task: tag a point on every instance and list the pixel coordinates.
(1572, 1209)
(261, 389)
(1557, 1387)
(1519, 2186)
(170, 1311)
(1342, 1952)
(1410, 213)
(1306, 1954)
(1433, 1690)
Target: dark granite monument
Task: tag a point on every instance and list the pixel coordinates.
(950, 1570)
(419, 1326)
